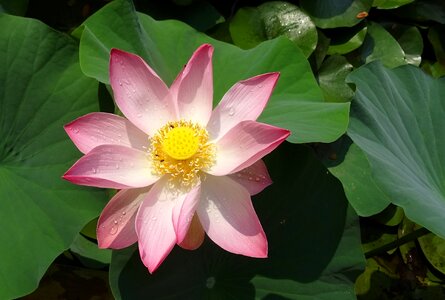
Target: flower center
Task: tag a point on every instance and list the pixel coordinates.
(180, 143)
(181, 149)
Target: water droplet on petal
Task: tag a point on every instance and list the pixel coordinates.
(154, 218)
(94, 171)
(120, 83)
(117, 166)
(124, 213)
(257, 179)
(115, 222)
(139, 115)
(250, 178)
(76, 130)
(114, 229)
(231, 111)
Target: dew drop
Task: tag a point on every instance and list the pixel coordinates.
(231, 111)
(117, 166)
(115, 222)
(239, 175)
(257, 179)
(124, 213)
(113, 230)
(120, 83)
(94, 171)
(250, 178)
(260, 86)
(139, 115)
(154, 218)
(76, 130)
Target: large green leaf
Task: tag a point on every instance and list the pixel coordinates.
(247, 28)
(342, 44)
(335, 13)
(314, 246)
(42, 88)
(282, 18)
(297, 102)
(379, 44)
(332, 76)
(398, 121)
(350, 165)
(411, 41)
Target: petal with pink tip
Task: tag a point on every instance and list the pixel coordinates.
(254, 178)
(244, 101)
(154, 225)
(184, 211)
(116, 225)
(193, 88)
(229, 219)
(112, 166)
(195, 235)
(95, 129)
(139, 92)
(244, 144)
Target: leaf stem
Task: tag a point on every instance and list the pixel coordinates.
(400, 241)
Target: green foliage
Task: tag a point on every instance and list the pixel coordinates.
(42, 89)
(399, 127)
(330, 53)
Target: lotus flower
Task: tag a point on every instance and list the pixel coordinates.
(182, 169)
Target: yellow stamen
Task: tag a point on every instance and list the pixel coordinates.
(181, 149)
(180, 143)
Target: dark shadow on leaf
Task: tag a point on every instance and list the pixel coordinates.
(303, 214)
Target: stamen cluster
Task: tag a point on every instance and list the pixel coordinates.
(182, 150)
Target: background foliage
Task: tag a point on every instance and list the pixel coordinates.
(362, 175)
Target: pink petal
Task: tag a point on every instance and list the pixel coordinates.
(254, 178)
(154, 225)
(227, 215)
(94, 129)
(112, 166)
(244, 144)
(184, 211)
(116, 225)
(195, 235)
(193, 88)
(139, 92)
(244, 101)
